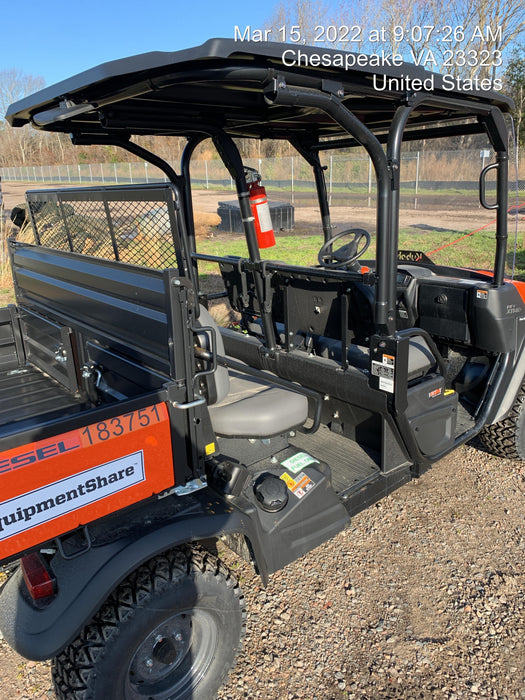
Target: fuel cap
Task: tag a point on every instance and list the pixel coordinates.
(271, 492)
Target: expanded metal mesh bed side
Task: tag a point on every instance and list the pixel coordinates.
(133, 224)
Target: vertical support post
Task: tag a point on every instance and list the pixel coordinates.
(310, 155)
(187, 210)
(395, 138)
(232, 159)
(501, 221)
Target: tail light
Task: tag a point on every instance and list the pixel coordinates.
(38, 579)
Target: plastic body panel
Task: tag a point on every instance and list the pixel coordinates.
(53, 486)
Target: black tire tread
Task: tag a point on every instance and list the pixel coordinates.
(503, 438)
(72, 670)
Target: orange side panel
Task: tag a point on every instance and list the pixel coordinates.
(520, 286)
(52, 486)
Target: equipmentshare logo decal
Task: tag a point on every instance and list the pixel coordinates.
(61, 497)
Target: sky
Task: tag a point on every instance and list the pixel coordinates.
(59, 39)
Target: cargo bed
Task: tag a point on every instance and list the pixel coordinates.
(28, 397)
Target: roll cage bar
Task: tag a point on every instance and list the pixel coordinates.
(288, 97)
(386, 167)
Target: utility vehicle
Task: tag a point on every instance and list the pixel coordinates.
(136, 432)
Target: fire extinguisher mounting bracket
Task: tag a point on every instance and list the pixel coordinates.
(251, 175)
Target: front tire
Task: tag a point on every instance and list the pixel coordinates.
(170, 631)
(507, 437)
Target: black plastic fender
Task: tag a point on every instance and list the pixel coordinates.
(122, 542)
(38, 631)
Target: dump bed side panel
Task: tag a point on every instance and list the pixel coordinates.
(55, 485)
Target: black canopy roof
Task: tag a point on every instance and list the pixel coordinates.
(221, 84)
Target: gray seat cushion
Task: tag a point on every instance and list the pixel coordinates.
(256, 408)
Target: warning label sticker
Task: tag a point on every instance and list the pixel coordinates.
(386, 373)
(299, 461)
(298, 486)
(265, 219)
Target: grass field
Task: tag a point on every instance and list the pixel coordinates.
(475, 251)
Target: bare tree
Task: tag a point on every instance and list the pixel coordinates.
(16, 145)
(15, 84)
(296, 21)
(465, 38)
(515, 87)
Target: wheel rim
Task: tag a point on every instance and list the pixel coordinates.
(174, 657)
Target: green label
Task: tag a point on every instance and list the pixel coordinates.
(298, 462)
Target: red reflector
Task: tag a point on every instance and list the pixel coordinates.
(38, 580)
(364, 269)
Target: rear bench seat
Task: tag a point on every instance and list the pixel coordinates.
(420, 358)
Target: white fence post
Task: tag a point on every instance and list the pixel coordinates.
(330, 182)
(370, 182)
(417, 180)
(292, 183)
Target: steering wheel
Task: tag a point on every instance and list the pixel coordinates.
(346, 254)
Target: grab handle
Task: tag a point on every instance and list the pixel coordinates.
(482, 179)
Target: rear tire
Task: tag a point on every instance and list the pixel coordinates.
(170, 631)
(507, 437)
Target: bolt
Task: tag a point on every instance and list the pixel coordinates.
(148, 663)
(177, 637)
(282, 84)
(340, 93)
(158, 639)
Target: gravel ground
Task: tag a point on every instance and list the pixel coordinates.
(421, 597)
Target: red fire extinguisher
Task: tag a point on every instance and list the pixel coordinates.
(260, 209)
